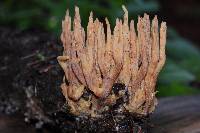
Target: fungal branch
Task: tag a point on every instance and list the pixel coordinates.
(126, 56)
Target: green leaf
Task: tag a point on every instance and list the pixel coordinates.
(173, 73)
(141, 6)
(176, 89)
(180, 48)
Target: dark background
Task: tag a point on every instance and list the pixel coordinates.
(181, 74)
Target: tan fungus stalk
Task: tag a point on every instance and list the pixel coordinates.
(127, 56)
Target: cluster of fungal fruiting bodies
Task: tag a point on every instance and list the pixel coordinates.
(95, 60)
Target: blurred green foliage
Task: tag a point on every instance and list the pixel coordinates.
(181, 68)
(48, 14)
(183, 59)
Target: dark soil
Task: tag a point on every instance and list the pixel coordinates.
(30, 96)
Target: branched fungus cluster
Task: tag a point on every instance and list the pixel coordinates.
(95, 60)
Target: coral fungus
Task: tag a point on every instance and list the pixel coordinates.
(96, 60)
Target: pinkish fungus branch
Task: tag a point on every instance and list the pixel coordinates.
(128, 56)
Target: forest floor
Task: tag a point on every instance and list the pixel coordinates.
(31, 99)
(30, 94)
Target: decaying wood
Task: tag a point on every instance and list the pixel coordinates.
(180, 114)
(126, 56)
